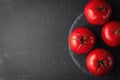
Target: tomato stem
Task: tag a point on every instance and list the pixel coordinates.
(101, 8)
(117, 32)
(100, 63)
(84, 39)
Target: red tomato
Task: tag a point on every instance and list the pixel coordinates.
(111, 33)
(81, 40)
(99, 62)
(97, 12)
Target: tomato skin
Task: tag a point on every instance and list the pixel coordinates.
(97, 12)
(93, 62)
(81, 40)
(111, 33)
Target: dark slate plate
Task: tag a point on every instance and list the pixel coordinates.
(79, 60)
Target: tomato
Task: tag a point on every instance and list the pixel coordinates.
(97, 12)
(81, 40)
(99, 62)
(111, 33)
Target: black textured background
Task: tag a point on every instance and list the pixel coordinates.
(33, 39)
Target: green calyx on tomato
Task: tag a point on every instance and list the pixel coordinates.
(84, 39)
(117, 32)
(100, 63)
(101, 8)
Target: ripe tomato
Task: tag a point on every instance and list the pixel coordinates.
(99, 62)
(111, 33)
(81, 40)
(97, 12)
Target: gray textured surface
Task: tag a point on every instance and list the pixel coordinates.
(33, 40)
